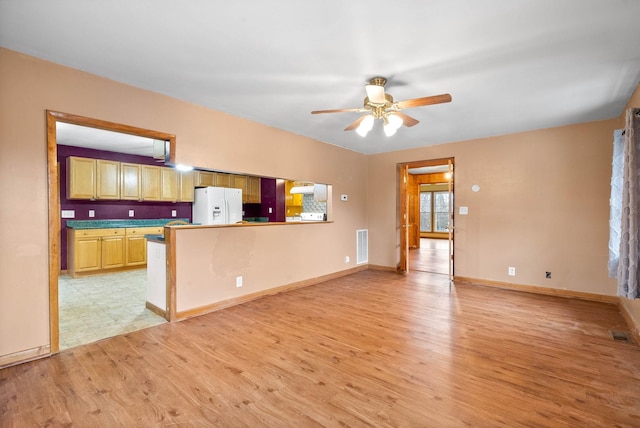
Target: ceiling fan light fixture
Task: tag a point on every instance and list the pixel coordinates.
(395, 120)
(375, 93)
(389, 129)
(365, 126)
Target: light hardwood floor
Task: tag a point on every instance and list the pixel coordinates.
(370, 349)
(432, 256)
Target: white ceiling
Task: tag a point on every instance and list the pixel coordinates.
(100, 139)
(510, 66)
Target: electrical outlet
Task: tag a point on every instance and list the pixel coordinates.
(238, 281)
(92, 213)
(130, 213)
(512, 271)
(346, 259)
(547, 275)
(174, 213)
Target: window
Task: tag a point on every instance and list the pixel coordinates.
(434, 211)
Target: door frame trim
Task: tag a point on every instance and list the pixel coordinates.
(52, 118)
(403, 203)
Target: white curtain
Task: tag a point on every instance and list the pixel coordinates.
(615, 203)
(628, 262)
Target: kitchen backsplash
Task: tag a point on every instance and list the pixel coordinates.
(310, 205)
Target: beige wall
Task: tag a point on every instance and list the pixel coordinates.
(204, 137)
(542, 206)
(543, 203)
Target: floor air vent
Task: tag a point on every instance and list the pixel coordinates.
(362, 246)
(620, 336)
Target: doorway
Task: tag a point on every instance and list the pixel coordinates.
(53, 170)
(426, 216)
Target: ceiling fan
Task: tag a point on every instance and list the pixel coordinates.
(380, 105)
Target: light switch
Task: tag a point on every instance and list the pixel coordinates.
(344, 198)
(68, 214)
(174, 213)
(464, 210)
(270, 210)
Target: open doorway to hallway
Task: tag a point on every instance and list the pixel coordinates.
(426, 208)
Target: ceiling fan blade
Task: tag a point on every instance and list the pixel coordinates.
(407, 120)
(339, 110)
(375, 94)
(424, 101)
(355, 124)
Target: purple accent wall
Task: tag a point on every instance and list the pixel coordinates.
(272, 191)
(109, 210)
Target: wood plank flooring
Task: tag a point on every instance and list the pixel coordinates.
(432, 256)
(371, 349)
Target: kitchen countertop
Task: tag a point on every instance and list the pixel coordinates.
(108, 224)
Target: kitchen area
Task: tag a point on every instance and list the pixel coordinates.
(114, 210)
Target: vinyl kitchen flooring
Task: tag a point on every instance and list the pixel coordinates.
(100, 306)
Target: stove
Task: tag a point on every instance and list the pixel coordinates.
(312, 217)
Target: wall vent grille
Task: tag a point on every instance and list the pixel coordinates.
(362, 245)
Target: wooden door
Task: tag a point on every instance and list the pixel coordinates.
(169, 184)
(112, 251)
(186, 186)
(151, 183)
(107, 179)
(413, 211)
(87, 253)
(136, 250)
(404, 219)
(130, 181)
(81, 178)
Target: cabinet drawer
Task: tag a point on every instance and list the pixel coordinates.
(145, 230)
(98, 232)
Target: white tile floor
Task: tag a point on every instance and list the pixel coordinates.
(101, 306)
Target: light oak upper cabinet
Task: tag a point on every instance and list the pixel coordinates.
(92, 179)
(151, 183)
(81, 178)
(107, 179)
(223, 179)
(130, 181)
(254, 194)
(169, 182)
(186, 186)
(204, 178)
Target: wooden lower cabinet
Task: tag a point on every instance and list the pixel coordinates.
(93, 251)
(136, 244)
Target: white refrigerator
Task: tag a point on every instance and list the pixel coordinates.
(217, 205)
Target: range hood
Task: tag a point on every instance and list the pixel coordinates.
(305, 190)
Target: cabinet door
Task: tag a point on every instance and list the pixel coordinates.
(253, 190)
(81, 178)
(136, 250)
(112, 251)
(204, 179)
(169, 182)
(86, 254)
(130, 181)
(151, 183)
(107, 179)
(223, 179)
(186, 186)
